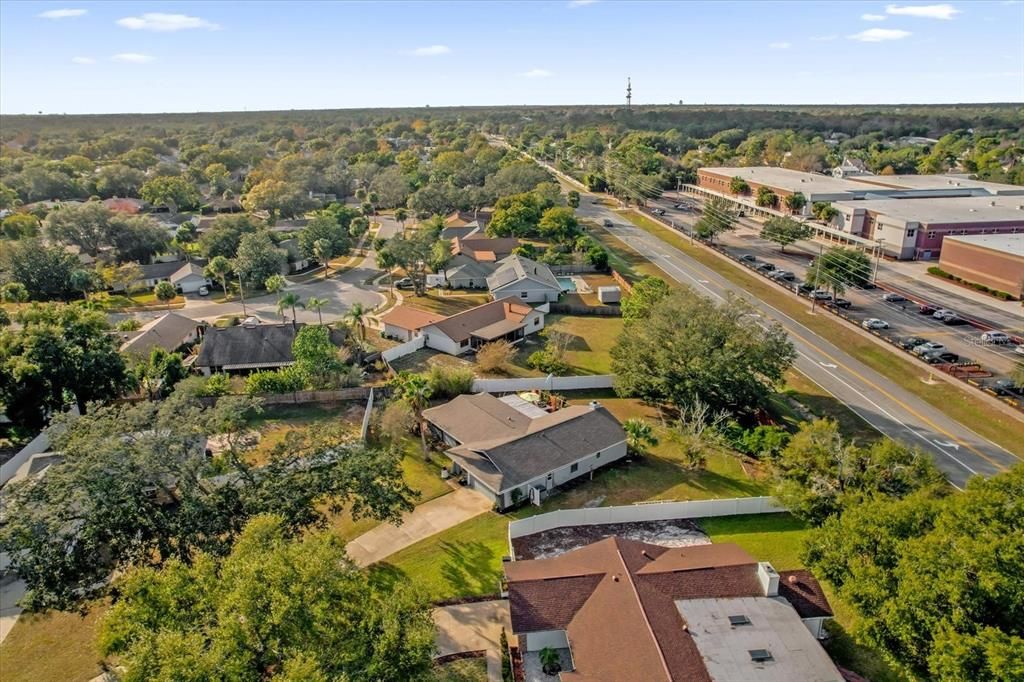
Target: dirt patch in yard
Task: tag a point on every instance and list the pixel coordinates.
(666, 533)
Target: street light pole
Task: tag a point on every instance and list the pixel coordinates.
(878, 256)
(817, 276)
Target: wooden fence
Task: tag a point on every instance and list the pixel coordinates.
(622, 281)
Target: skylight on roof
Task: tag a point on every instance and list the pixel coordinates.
(738, 620)
(760, 655)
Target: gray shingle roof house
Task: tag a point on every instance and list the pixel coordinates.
(169, 332)
(251, 347)
(525, 279)
(462, 272)
(511, 454)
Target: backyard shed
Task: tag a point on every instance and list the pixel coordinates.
(609, 294)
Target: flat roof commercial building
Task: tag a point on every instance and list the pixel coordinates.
(915, 228)
(994, 260)
(949, 185)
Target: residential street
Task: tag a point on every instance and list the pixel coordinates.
(958, 451)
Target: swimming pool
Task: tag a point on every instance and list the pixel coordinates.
(567, 283)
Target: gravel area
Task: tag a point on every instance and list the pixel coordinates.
(667, 533)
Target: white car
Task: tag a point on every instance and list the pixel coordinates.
(995, 337)
(928, 347)
(204, 290)
(1019, 350)
(874, 323)
(943, 314)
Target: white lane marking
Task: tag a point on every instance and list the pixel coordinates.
(827, 364)
(947, 444)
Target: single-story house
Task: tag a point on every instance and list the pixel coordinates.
(464, 218)
(404, 322)
(466, 331)
(462, 272)
(189, 278)
(296, 259)
(524, 279)
(250, 346)
(125, 205)
(483, 249)
(461, 231)
(626, 610)
(170, 332)
(290, 225)
(511, 450)
(157, 272)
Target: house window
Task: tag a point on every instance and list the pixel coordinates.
(465, 342)
(910, 233)
(598, 455)
(573, 468)
(523, 294)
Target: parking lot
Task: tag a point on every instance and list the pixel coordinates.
(904, 318)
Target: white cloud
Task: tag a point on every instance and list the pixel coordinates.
(538, 73)
(430, 51)
(873, 17)
(879, 35)
(62, 13)
(943, 11)
(824, 39)
(83, 60)
(165, 23)
(780, 46)
(573, 4)
(133, 58)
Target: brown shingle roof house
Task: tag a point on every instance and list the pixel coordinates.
(630, 611)
(467, 330)
(510, 452)
(484, 250)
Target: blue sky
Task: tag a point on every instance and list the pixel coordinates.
(70, 57)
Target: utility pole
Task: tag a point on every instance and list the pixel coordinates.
(629, 94)
(878, 256)
(817, 275)
(241, 294)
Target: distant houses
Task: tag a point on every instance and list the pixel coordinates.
(186, 276)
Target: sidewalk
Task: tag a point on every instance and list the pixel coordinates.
(429, 518)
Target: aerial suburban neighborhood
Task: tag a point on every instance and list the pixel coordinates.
(409, 360)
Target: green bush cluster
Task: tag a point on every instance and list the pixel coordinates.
(284, 380)
(547, 362)
(939, 272)
(449, 382)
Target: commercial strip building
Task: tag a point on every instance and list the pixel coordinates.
(902, 216)
(997, 261)
(619, 609)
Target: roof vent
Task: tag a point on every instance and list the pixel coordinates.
(594, 404)
(760, 655)
(992, 203)
(615, 578)
(645, 554)
(737, 621)
(792, 580)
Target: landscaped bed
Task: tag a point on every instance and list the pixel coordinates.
(551, 543)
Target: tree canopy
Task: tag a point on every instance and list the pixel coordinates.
(136, 488)
(275, 608)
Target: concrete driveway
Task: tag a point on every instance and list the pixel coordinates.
(429, 518)
(474, 627)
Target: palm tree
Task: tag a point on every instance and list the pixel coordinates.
(400, 215)
(356, 316)
(219, 267)
(289, 300)
(314, 303)
(322, 251)
(639, 435)
(165, 292)
(386, 261)
(415, 389)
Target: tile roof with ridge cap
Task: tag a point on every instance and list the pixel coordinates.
(461, 326)
(616, 600)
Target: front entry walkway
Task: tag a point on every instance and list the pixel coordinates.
(429, 518)
(474, 627)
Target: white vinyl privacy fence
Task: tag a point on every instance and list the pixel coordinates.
(548, 383)
(401, 350)
(653, 511)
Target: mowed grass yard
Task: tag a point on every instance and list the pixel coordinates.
(55, 646)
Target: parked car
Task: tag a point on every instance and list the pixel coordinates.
(765, 267)
(953, 319)
(928, 347)
(204, 290)
(658, 211)
(926, 309)
(868, 285)
(1019, 350)
(783, 274)
(995, 337)
(940, 358)
(943, 313)
(682, 207)
(748, 258)
(1005, 387)
(911, 342)
(821, 295)
(405, 283)
(805, 288)
(607, 223)
(874, 323)
(841, 303)
(894, 298)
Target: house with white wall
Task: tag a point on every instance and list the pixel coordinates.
(511, 450)
(524, 279)
(464, 332)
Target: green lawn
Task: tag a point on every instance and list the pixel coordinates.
(464, 560)
(446, 305)
(464, 670)
(52, 647)
(823, 404)
(970, 410)
(592, 341)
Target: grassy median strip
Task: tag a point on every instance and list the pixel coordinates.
(967, 409)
